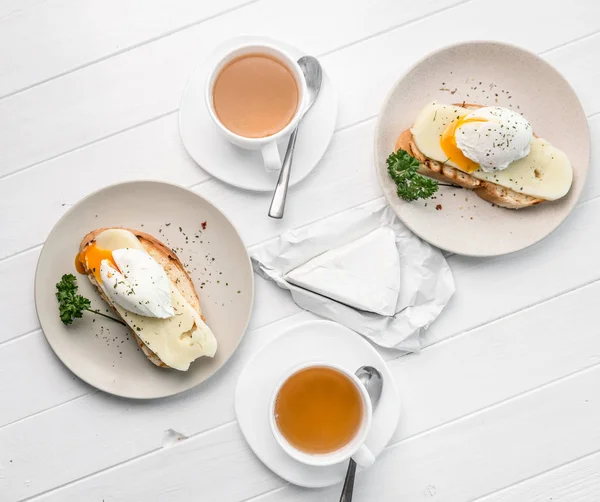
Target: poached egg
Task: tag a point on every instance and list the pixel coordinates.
(490, 137)
(137, 283)
(130, 277)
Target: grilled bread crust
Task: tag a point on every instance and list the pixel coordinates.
(491, 192)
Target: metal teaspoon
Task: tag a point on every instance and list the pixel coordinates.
(373, 382)
(313, 75)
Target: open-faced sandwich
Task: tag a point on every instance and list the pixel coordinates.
(144, 282)
(488, 149)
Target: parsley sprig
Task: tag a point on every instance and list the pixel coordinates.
(72, 305)
(402, 168)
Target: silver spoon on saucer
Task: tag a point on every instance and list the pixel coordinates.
(313, 75)
(373, 382)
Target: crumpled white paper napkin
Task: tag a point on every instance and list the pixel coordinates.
(426, 282)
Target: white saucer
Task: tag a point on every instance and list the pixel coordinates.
(314, 340)
(244, 168)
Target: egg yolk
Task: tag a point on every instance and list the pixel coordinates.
(448, 144)
(92, 257)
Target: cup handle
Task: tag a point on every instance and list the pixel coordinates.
(271, 156)
(363, 457)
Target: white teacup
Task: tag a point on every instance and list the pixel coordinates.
(268, 144)
(355, 448)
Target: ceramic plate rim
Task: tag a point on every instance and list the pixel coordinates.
(582, 173)
(102, 387)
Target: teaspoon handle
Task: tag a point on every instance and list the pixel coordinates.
(280, 193)
(349, 483)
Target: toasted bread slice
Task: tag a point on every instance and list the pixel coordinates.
(166, 259)
(491, 192)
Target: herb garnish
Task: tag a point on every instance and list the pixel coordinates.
(70, 304)
(402, 168)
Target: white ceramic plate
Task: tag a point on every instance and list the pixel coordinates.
(99, 351)
(475, 72)
(245, 168)
(311, 341)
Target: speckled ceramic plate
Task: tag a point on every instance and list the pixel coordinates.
(100, 351)
(487, 73)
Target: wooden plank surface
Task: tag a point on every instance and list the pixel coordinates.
(105, 28)
(144, 151)
(502, 403)
(138, 85)
(501, 357)
(77, 34)
(534, 421)
(544, 271)
(141, 84)
(577, 481)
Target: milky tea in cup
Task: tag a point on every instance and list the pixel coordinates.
(255, 95)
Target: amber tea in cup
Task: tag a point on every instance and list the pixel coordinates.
(318, 410)
(255, 95)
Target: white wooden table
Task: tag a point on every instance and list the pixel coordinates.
(503, 404)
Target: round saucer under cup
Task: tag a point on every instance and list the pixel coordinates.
(245, 168)
(335, 344)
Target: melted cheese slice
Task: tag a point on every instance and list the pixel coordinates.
(545, 173)
(178, 340)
